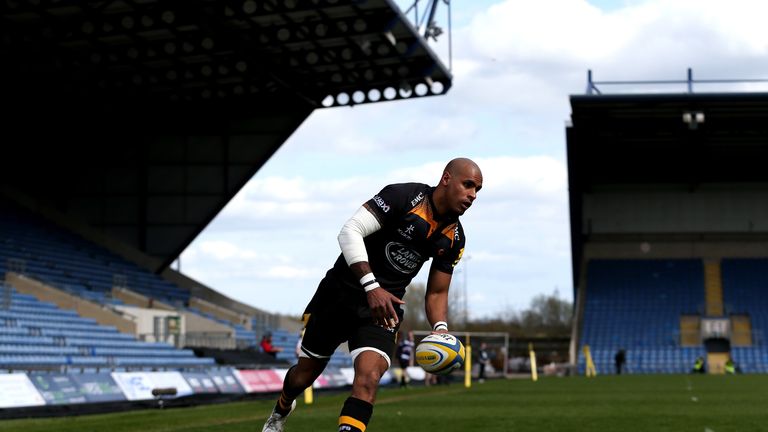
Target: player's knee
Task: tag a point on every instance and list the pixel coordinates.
(301, 376)
(366, 383)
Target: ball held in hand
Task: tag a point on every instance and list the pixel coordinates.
(440, 354)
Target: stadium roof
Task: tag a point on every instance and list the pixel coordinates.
(646, 139)
(143, 118)
(623, 142)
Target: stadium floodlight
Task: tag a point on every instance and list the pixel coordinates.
(693, 118)
(390, 37)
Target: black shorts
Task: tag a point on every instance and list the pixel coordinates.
(339, 314)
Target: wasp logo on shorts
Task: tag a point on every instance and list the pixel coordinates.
(381, 203)
(403, 259)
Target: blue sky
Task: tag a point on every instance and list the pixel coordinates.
(515, 64)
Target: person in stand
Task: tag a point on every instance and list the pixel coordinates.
(483, 358)
(699, 366)
(267, 347)
(383, 246)
(620, 359)
(405, 357)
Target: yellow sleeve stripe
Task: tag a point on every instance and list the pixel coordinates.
(352, 422)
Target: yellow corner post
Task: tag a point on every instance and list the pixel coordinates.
(468, 364)
(534, 372)
(590, 370)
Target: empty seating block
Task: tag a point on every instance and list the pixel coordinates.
(636, 305)
(66, 261)
(36, 335)
(744, 287)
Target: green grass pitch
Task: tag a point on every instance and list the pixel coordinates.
(676, 403)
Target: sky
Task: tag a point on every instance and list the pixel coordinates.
(515, 64)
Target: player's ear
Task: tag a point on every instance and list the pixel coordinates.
(446, 178)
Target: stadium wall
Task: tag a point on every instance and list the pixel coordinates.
(675, 212)
(145, 322)
(203, 332)
(646, 247)
(220, 312)
(135, 299)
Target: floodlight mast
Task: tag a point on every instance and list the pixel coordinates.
(428, 23)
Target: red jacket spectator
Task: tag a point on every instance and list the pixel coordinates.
(267, 347)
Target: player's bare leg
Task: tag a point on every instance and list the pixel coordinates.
(298, 378)
(356, 413)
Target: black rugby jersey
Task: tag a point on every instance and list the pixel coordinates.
(410, 235)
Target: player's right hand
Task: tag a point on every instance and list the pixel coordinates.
(382, 305)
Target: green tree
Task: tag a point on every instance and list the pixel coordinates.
(547, 316)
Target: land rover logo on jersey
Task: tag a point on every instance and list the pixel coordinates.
(403, 258)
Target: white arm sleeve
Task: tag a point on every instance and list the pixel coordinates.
(360, 225)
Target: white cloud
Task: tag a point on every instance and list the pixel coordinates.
(548, 31)
(287, 272)
(222, 250)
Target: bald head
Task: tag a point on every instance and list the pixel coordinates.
(458, 186)
(461, 164)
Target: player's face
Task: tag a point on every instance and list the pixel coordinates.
(463, 188)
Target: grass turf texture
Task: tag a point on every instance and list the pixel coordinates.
(606, 403)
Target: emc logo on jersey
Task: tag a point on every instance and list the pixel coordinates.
(418, 199)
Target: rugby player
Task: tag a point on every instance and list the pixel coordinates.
(383, 245)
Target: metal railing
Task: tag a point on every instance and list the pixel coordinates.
(687, 84)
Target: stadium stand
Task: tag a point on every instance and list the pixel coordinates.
(668, 237)
(67, 261)
(636, 305)
(35, 247)
(744, 281)
(36, 335)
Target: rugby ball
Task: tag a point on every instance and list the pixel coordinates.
(440, 354)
